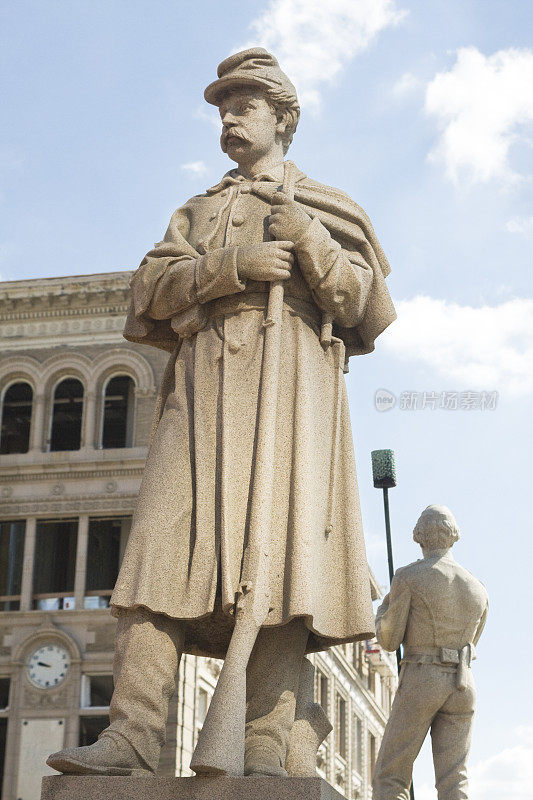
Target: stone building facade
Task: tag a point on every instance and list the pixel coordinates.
(76, 403)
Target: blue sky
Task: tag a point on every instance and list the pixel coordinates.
(423, 112)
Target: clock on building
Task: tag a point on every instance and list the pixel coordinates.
(48, 666)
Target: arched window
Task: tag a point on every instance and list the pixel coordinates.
(66, 415)
(118, 412)
(16, 419)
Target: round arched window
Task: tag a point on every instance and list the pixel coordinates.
(16, 419)
(117, 429)
(67, 415)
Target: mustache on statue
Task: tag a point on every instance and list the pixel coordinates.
(237, 132)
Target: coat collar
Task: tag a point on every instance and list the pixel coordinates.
(275, 175)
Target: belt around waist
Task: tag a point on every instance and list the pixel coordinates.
(448, 656)
(234, 304)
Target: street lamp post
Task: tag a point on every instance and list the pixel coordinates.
(384, 475)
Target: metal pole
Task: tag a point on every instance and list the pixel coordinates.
(384, 475)
(389, 556)
(387, 531)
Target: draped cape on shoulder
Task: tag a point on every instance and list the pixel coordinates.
(347, 223)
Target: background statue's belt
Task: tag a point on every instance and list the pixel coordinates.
(448, 656)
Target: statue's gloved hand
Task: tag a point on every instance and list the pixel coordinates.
(287, 220)
(268, 261)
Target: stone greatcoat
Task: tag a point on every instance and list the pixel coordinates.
(185, 550)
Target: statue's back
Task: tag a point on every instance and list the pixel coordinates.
(447, 604)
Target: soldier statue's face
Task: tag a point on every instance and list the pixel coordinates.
(251, 129)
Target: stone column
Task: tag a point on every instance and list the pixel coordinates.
(81, 561)
(27, 568)
(332, 716)
(36, 430)
(366, 766)
(89, 420)
(143, 414)
(131, 420)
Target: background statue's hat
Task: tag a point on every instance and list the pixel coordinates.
(253, 67)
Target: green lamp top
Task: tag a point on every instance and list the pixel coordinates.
(383, 469)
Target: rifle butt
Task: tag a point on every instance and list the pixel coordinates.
(220, 746)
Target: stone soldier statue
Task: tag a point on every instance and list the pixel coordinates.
(201, 294)
(437, 609)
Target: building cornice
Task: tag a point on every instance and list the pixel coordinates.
(63, 285)
(31, 477)
(62, 313)
(71, 505)
(36, 312)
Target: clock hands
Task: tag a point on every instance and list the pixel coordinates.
(42, 664)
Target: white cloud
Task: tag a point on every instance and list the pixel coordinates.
(314, 40)
(483, 105)
(523, 225)
(407, 84)
(209, 115)
(376, 546)
(195, 168)
(485, 348)
(507, 774)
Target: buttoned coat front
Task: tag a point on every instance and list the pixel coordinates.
(185, 551)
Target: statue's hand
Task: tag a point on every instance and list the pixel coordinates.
(268, 261)
(287, 220)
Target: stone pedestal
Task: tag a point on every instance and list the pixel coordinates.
(78, 787)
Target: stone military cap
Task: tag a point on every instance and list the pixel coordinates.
(253, 67)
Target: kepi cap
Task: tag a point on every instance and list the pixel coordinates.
(253, 67)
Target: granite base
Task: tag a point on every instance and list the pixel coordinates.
(82, 787)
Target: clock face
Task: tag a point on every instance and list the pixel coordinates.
(48, 666)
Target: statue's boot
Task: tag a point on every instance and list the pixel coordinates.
(310, 728)
(110, 755)
(271, 687)
(148, 649)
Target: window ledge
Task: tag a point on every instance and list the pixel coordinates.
(86, 455)
(73, 615)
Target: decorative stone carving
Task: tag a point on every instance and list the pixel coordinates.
(33, 698)
(119, 502)
(72, 309)
(79, 475)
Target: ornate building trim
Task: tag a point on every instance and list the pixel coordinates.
(23, 369)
